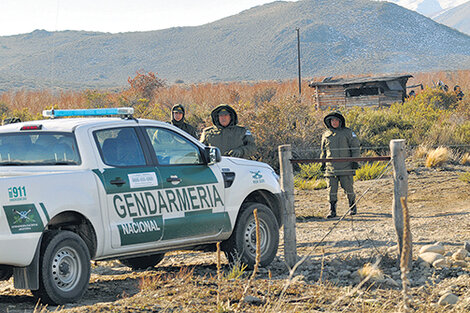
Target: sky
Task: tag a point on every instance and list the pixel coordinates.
(25, 16)
(114, 16)
(413, 4)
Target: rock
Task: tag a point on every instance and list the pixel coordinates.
(344, 273)
(461, 254)
(460, 263)
(448, 298)
(430, 257)
(466, 246)
(390, 282)
(432, 248)
(253, 300)
(393, 249)
(441, 263)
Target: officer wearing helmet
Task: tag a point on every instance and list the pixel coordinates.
(225, 134)
(177, 119)
(338, 141)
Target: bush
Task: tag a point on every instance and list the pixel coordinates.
(465, 177)
(465, 159)
(306, 184)
(310, 171)
(437, 157)
(286, 122)
(370, 171)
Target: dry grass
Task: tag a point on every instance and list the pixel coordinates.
(465, 159)
(437, 157)
(421, 152)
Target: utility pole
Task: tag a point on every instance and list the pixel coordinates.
(298, 59)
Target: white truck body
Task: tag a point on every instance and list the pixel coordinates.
(168, 195)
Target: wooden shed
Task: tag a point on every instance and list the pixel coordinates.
(361, 91)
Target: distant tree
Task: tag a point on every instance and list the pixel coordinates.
(146, 85)
(96, 99)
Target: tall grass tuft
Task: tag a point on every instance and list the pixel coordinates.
(465, 159)
(310, 170)
(312, 184)
(437, 157)
(308, 177)
(421, 152)
(370, 171)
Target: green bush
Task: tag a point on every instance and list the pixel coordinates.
(370, 171)
(465, 177)
(310, 171)
(309, 184)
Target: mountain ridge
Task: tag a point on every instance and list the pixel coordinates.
(457, 17)
(338, 37)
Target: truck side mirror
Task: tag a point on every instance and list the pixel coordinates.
(212, 155)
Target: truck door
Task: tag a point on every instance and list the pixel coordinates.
(191, 199)
(131, 182)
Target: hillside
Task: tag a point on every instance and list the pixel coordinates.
(337, 37)
(458, 18)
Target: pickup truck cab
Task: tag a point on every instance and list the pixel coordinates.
(98, 188)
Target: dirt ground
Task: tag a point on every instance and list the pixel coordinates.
(439, 204)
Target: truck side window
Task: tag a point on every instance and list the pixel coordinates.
(172, 148)
(120, 147)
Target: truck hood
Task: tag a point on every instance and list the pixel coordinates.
(244, 162)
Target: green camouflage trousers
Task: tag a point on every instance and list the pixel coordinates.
(347, 182)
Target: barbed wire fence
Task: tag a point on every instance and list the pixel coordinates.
(400, 177)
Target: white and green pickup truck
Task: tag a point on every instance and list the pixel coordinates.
(99, 188)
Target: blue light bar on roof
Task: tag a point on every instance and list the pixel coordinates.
(88, 112)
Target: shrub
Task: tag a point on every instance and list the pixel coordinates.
(285, 122)
(237, 270)
(370, 171)
(421, 152)
(465, 177)
(437, 157)
(306, 184)
(465, 159)
(310, 170)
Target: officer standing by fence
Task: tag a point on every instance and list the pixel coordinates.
(225, 134)
(177, 119)
(338, 141)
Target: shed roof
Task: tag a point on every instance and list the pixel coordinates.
(330, 81)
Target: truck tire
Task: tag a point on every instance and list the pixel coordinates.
(241, 246)
(143, 262)
(64, 268)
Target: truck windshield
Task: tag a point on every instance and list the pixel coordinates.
(38, 148)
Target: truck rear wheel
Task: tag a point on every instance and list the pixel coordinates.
(241, 246)
(64, 268)
(143, 262)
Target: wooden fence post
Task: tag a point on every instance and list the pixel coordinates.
(400, 189)
(287, 187)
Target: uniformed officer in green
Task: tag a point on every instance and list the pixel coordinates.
(339, 142)
(177, 119)
(225, 134)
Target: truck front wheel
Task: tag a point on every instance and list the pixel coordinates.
(64, 269)
(241, 246)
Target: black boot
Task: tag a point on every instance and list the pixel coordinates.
(332, 210)
(352, 207)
